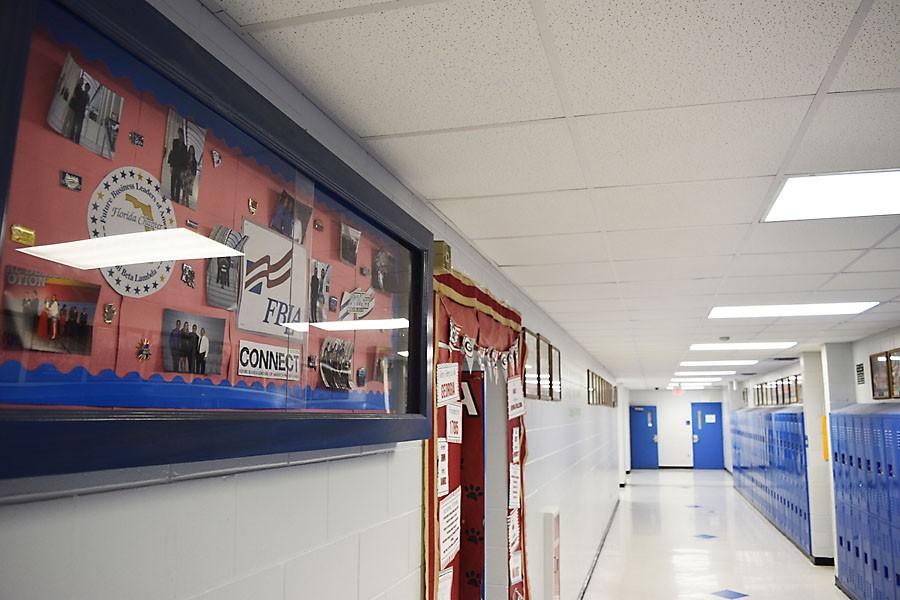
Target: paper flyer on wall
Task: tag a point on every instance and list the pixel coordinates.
(445, 584)
(447, 383)
(515, 567)
(448, 523)
(512, 527)
(443, 468)
(515, 400)
(454, 423)
(516, 444)
(515, 485)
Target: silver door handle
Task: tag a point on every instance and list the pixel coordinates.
(696, 438)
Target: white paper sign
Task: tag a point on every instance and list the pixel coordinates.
(709, 418)
(263, 360)
(515, 401)
(512, 526)
(515, 567)
(443, 468)
(447, 383)
(516, 444)
(273, 280)
(515, 485)
(454, 423)
(448, 522)
(445, 584)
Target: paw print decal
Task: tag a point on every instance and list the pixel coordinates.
(473, 492)
(474, 535)
(473, 578)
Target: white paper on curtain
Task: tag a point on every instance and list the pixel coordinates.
(273, 278)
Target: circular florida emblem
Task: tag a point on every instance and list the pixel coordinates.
(128, 200)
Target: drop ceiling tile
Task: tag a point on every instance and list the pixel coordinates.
(755, 298)
(631, 54)
(586, 291)
(666, 300)
(540, 275)
(681, 204)
(431, 66)
(877, 260)
(665, 287)
(510, 159)
(824, 234)
(775, 283)
(850, 132)
(687, 242)
(546, 249)
(871, 295)
(893, 241)
(576, 304)
(872, 61)
(865, 281)
(795, 263)
(578, 319)
(672, 268)
(524, 214)
(673, 314)
(246, 12)
(885, 308)
(716, 141)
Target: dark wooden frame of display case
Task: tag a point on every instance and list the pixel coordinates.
(44, 441)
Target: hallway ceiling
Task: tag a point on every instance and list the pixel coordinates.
(615, 159)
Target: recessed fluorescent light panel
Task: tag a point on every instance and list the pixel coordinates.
(744, 346)
(837, 195)
(159, 245)
(790, 310)
(702, 373)
(695, 379)
(362, 325)
(718, 363)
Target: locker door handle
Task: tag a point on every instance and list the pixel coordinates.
(696, 438)
(655, 439)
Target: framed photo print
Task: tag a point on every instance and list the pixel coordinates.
(894, 361)
(532, 372)
(881, 375)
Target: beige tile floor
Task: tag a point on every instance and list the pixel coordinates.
(652, 552)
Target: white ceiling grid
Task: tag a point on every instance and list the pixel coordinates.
(615, 158)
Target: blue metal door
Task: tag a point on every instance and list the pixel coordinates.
(644, 452)
(707, 422)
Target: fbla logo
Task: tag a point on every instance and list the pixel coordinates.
(264, 271)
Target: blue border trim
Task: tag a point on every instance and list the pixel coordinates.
(45, 441)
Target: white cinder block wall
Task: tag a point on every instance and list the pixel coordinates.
(673, 415)
(344, 529)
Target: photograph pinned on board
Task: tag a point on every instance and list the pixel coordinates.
(385, 276)
(44, 313)
(85, 111)
(223, 274)
(188, 276)
(192, 343)
(336, 364)
(349, 243)
(182, 160)
(291, 217)
(319, 286)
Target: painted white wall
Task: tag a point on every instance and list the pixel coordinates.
(673, 414)
(349, 528)
(624, 440)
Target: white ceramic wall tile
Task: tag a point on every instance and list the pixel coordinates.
(416, 551)
(851, 132)
(388, 71)
(523, 214)
(357, 494)
(409, 588)
(717, 141)
(405, 479)
(279, 514)
(510, 159)
(628, 54)
(326, 572)
(387, 540)
(871, 64)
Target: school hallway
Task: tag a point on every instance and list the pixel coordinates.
(689, 534)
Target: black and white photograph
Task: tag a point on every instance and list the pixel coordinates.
(188, 276)
(223, 274)
(319, 286)
(85, 111)
(349, 243)
(291, 217)
(385, 277)
(336, 364)
(182, 160)
(192, 343)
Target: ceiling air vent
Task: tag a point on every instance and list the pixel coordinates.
(786, 358)
(747, 374)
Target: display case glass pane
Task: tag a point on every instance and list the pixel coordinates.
(544, 359)
(530, 351)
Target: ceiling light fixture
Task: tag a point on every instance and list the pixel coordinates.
(362, 325)
(160, 245)
(744, 346)
(837, 195)
(702, 373)
(687, 386)
(790, 310)
(718, 363)
(695, 379)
